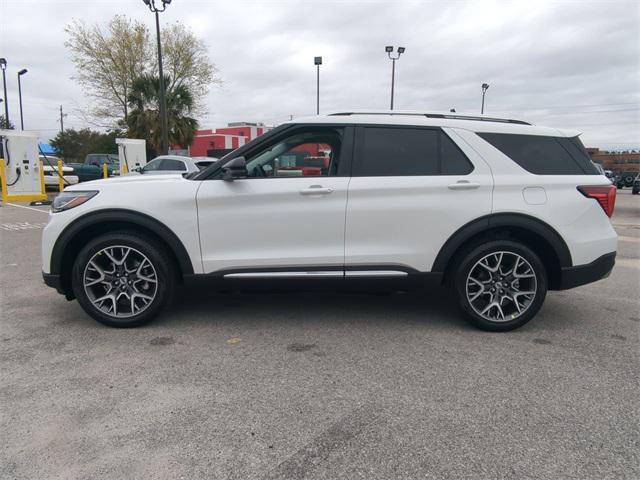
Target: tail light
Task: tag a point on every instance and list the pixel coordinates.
(605, 195)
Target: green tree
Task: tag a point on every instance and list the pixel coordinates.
(109, 59)
(4, 125)
(144, 117)
(74, 145)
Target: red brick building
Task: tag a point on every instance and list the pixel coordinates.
(220, 141)
(616, 161)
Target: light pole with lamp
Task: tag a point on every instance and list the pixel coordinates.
(3, 66)
(485, 87)
(163, 102)
(20, 73)
(389, 51)
(317, 62)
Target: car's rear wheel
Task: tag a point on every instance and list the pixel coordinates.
(500, 285)
(123, 279)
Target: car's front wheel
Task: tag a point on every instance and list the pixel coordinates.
(500, 285)
(123, 279)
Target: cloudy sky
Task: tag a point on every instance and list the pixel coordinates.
(571, 63)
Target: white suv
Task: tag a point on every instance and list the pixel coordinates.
(498, 210)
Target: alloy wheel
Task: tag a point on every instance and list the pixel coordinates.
(501, 286)
(120, 281)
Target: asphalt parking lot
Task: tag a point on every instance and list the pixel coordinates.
(253, 386)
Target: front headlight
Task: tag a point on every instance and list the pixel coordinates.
(68, 200)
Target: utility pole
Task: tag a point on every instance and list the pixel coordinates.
(62, 115)
(485, 87)
(3, 67)
(389, 50)
(317, 61)
(164, 128)
(20, 73)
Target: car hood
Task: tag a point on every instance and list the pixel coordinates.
(128, 179)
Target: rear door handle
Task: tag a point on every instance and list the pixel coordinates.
(316, 190)
(464, 185)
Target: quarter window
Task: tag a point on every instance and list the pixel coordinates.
(543, 155)
(391, 152)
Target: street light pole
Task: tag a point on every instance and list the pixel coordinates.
(389, 50)
(164, 144)
(485, 87)
(317, 61)
(20, 73)
(3, 66)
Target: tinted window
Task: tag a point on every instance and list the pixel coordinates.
(543, 155)
(170, 164)
(454, 162)
(409, 152)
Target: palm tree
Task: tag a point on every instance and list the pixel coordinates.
(144, 118)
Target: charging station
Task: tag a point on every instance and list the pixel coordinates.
(21, 172)
(132, 153)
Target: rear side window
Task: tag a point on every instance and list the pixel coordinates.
(171, 164)
(543, 155)
(392, 152)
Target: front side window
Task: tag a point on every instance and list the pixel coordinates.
(406, 151)
(153, 165)
(312, 153)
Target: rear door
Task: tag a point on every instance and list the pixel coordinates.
(411, 189)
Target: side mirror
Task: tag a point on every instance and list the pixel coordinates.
(236, 168)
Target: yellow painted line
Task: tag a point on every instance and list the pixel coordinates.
(234, 340)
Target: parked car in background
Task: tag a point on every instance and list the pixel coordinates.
(610, 175)
(50, 170)
(167, 164)
(635, 189)
(91, 168)
(497, 210)
(624, 179)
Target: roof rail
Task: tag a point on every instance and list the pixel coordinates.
(438, 115)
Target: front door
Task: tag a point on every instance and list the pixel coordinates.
(287, 216)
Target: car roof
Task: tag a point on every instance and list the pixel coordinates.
(171, 157)
(472, 122)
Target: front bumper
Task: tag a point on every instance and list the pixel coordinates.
(600, 268)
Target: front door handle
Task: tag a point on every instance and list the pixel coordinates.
(464, 185)
(316, 190)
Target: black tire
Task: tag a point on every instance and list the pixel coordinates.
(469, 259)
(155, 254)
(635, 191)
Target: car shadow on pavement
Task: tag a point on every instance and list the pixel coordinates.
(200, 305)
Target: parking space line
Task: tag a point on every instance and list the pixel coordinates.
(28, 208)
(623, 238)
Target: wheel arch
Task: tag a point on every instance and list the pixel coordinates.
(536, 234)
(88, 226)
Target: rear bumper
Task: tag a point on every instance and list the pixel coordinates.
(582, 274)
